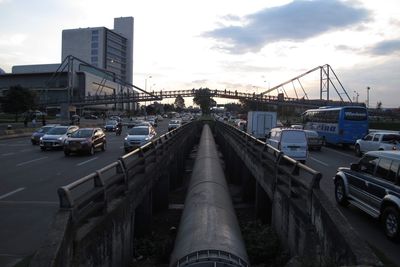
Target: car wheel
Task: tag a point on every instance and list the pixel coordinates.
(357, 150)
(66, 153)
(340, 193)
(103, 147)
(390, 223)
(91, 151)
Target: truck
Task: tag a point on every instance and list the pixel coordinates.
(260, 123)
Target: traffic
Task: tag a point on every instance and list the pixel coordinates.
(51, 168)
(371, 184)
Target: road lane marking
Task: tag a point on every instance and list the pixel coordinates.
(30, 161)
(320, 162)
(8, 154)
(26, 150)
(12, 193)
(5, 144)
(87, 161)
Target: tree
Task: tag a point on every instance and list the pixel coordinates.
(179, 102)
(18, 100)
(168, 107)
(202, 98)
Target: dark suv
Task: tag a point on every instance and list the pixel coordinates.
(373, 185)
(85, 140)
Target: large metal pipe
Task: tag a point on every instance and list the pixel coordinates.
(209, 233)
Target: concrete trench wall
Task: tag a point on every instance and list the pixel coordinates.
(107, 239)
(309, 225)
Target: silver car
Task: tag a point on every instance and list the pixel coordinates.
(138, 136)
(56, 137)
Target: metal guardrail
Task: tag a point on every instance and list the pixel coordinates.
(90, 195)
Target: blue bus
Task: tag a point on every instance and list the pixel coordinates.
(337, 125)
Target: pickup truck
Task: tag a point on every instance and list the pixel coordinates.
(377, 141)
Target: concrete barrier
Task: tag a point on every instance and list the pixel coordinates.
(306, 221)
(100, 214)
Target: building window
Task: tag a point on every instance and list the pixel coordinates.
(95, 52)
(95, 32)
(95, 45)
(95, 38)
(94, 59)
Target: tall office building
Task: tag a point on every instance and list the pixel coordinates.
(104, 48)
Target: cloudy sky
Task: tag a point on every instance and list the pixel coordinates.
(226, 44)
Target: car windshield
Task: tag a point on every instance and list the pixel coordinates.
(44, 129)
(83, 133)
(139, 131)
(293, 136)
(112, 123)
(311, 134)
(355, 114)
(57, 131)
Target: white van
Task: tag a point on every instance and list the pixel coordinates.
(292, 142)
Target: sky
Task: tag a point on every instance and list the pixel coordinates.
(240, 45)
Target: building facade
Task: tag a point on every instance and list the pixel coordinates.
(102, 65)
(107, 49)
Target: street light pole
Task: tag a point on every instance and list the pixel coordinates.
(357, 95)
(145, 102)
(368, 88)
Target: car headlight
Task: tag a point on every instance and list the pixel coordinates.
(60, 138)
(41, 139)
(147, 138)
(126, 139)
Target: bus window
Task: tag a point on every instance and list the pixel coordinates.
(355, 114)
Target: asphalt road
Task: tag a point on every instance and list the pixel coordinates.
(327, 161)
(29, 179)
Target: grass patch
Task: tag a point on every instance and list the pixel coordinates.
(25, 262)
(393, 126)
(263, 245)
(382, 257)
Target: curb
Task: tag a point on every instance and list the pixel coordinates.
(10, 136)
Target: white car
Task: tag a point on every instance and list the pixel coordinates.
(56, 137)
(377, 141)
(138, 136)
(173, 124)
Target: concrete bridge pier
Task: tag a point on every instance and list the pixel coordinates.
(160, 193)
(247, 183)
(173, 174)
(263, 204)
(233, 167)
(143, 216)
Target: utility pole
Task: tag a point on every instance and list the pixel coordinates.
(368, 88)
